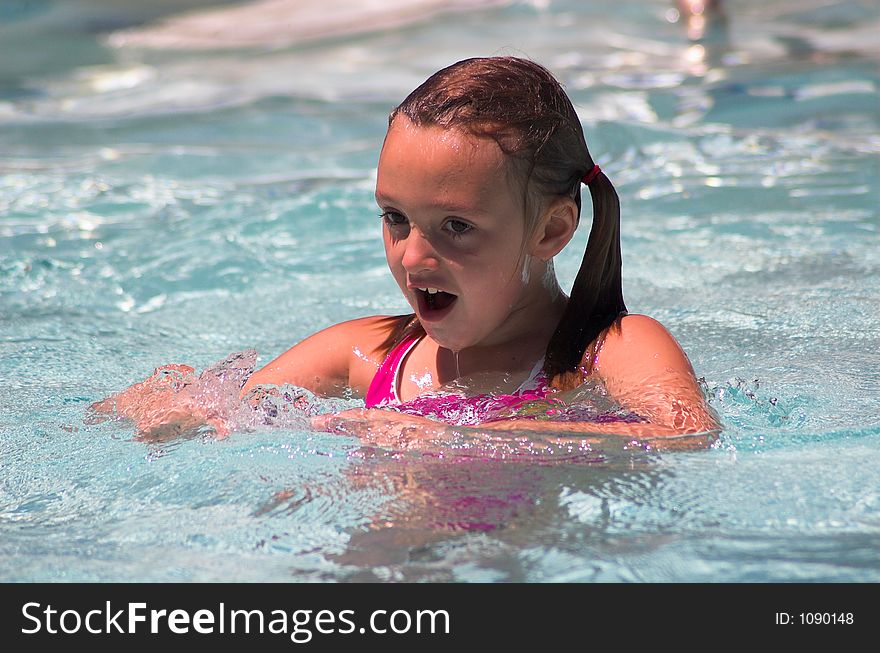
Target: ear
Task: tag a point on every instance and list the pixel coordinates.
(555, 228)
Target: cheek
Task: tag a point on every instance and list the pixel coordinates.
(391, 256)
(509, 273)
(496, 289)
(394, 264)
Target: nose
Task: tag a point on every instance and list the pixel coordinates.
(419, 255)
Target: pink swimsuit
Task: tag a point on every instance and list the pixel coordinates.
(531, 399)
(451, 408)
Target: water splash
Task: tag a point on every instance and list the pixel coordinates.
(745, 404)
(175, 402)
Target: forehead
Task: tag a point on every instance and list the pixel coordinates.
(440, 166)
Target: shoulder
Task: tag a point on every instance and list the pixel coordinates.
(340, 356)
(357, 340)
(639, 330)
(645, 369)
(366, 333)
(367, 337)
(357, 344)
(636, 343)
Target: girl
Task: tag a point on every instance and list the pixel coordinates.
(479, 185)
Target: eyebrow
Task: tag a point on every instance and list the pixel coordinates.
(446, 208)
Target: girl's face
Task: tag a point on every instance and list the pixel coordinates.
(454, 223)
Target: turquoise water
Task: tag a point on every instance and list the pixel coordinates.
(163, 206)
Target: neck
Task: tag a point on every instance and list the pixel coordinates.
(523, 340)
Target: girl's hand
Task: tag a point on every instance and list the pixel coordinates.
(508, 439)
(163, 406)
(163, 382)
(383, 428)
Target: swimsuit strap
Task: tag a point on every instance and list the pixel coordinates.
(383, 387)
(537, 380)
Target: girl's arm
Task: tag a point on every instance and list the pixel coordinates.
(645, 370)
(330, 362)
(401, 431)
(175, 401)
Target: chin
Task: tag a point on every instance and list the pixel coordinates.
(453, 339)
(447, 340)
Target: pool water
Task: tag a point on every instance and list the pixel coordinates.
(162, 206)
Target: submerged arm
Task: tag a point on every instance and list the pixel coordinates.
(645, 370)
(401, 431)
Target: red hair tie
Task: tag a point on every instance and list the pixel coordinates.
(591, 175)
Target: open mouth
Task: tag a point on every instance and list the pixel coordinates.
(434, 303)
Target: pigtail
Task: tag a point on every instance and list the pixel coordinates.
(596, 300)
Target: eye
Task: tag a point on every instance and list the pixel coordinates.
(457, 227)
(393, 218)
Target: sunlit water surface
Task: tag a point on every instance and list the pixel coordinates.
(162, 207)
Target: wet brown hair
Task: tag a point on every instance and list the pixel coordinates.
(520, 105)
